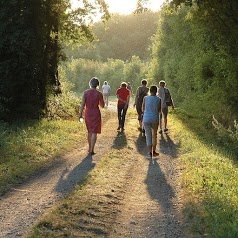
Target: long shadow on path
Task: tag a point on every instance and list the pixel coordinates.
(167, 146)
(69, 179)
(159, 188)
(120, 141)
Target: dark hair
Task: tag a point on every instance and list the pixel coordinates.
(105, 82)
(144, 82)
(153, 89)
(94, 82)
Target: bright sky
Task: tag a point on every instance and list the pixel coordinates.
(127, 6)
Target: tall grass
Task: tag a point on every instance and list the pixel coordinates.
(210, 181)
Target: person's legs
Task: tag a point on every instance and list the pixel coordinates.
(93, 142)
(160, 122)
(148, 135)
(104, 98)
(154, 137)
(123, 116)
(107, 97)
(119, 114)
(89, 141)
(139, 113)
(165, 115)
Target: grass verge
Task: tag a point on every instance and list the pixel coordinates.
(209, 181)
(26, 148)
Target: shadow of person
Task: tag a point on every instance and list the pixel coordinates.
(141, 144)
(167, 146)
(69, 179)
(120, 141)
(161, 192)
(158, 187)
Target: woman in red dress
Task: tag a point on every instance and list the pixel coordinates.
(91, 99)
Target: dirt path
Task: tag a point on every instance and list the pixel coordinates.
(150, 207)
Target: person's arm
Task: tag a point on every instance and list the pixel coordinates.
(160, 106)
(82, 106)
(172, 102)
(101, 101)
(128, 99)
(136, 97)
(118, 96)
(143, 105)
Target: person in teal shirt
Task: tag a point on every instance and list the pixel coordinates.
(151, 108)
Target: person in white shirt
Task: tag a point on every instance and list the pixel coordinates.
(106, 92)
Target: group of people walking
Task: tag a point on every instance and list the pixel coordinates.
(151, 106)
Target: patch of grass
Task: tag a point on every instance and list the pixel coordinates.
(26, 148)
(209, 180)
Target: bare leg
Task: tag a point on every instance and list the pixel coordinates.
(89, 141)
(107, 101)
(93, 141)
(165, 122)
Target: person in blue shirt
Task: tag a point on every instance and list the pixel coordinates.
(151, 108)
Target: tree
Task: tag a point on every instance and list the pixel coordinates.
(30, 50)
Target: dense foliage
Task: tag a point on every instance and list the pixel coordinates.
(80, 71)
(195, 52)
(119, 38)
(30, 50)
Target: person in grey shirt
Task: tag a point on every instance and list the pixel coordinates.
(166, 101)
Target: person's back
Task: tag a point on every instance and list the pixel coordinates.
(151, 112)
(163, 93)
(92, 98)
(106, 92)
(141, 92)
(106, 88)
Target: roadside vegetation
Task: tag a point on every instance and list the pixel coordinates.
(209, 179)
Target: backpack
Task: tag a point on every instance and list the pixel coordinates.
(142, 94)
(168, 98)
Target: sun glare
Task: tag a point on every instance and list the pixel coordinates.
(126, 6)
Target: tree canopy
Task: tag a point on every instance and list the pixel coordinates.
(195, 52)
(30, 49)
(120, 38)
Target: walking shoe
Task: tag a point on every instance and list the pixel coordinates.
(155, 153)
(160, 131)
(119, 128)
(165, 129)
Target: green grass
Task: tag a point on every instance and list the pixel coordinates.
(209, 181)
(26, 148)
